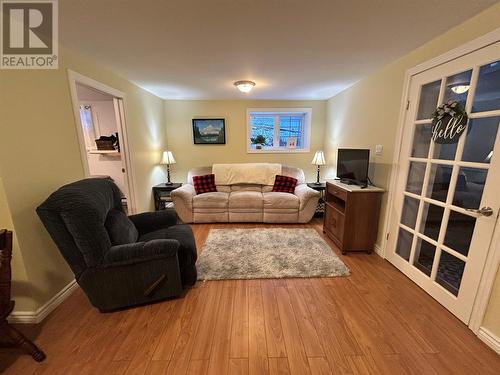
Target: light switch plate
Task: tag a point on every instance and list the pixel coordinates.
(379, 149)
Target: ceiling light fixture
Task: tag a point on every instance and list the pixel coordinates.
(244, 86)
(460, 89)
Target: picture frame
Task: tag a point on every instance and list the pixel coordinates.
(209, 131)
(291, 142)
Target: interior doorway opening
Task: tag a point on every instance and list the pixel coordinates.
(100, 122)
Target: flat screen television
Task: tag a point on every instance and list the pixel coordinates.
(352, 166)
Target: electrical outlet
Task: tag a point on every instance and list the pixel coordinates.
(379, 149)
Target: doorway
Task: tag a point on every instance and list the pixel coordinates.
(445, 204)
(100, 121)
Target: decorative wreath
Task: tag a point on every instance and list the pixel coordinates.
(449, 121)
(451, 108)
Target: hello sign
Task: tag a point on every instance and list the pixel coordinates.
(449, 129)
(448, 124)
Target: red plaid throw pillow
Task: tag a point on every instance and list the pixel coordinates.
(284, 184)
(204, 184)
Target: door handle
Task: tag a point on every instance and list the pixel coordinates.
(485, 211)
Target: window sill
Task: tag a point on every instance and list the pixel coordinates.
(277, 151)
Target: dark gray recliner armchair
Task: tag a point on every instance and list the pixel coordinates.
(118, 261)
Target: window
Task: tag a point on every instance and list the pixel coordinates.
(278, 129)
(90, 126)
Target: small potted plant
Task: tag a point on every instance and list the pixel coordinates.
(258, 141)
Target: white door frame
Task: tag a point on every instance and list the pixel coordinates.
(73, 79)
(493, 258)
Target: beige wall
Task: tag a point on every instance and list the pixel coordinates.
(367, 113)
(20, 285)
(39, 152)
(492, 317)
(179, 114)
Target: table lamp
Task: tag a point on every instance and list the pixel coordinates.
(167, 159)
(319, 159)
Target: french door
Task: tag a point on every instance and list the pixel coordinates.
(447, 195)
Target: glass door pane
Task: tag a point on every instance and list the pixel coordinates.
(439, 182)
(480, 139)
(421, 141)
(457, 87)
(424, 256)
(487, 96)
(428, 100)
(470, 187)
(410, 210)
(415, 177)
(432, 217)
(459, 232)
(450, 272)
(405, 240)
(444, 151)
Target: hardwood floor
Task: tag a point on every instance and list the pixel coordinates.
(375, 321)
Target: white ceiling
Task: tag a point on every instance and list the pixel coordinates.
(292, 49)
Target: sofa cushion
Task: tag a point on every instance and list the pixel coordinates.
(216, 199)
(281, 216)
(246, 187)
(241, 216)
(276, 200)
(284, 184)
(267, 188)
(224, 188)
(210, 216)
(204, 184)
(245, 199)
(120, 228)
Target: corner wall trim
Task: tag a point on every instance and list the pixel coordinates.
(379, 251)
(489, 339)
(35, 317)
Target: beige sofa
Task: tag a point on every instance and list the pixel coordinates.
(246, 202)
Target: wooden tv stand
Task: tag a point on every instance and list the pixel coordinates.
(351, 216)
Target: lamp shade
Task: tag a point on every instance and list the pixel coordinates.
(167, 158)
(319, 158)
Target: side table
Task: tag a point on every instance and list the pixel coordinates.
(161, 195)
(320, 208)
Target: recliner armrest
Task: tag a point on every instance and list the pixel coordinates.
(150, 221)
(140, 252)
(305, 194)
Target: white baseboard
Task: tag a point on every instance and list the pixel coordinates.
(378, 251)
(489, 339)
(35, 317)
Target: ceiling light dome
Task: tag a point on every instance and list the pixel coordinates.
(244, 86)
(460, 89)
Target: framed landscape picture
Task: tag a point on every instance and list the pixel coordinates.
(209, 131)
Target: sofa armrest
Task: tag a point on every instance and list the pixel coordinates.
(183, 202)
(305, 194)
(186, 192)
(140, 252)
(150, 221)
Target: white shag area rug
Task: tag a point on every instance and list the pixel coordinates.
(267, 254)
